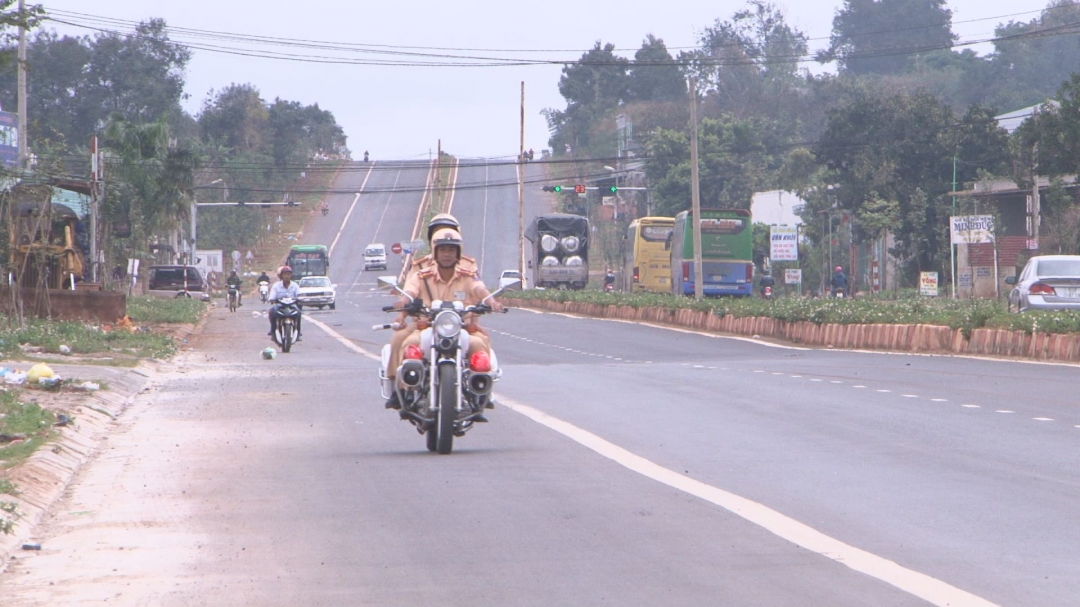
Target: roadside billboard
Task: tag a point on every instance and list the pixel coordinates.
(784, 243)
(971, 229)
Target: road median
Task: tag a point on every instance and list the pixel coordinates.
(920, 338)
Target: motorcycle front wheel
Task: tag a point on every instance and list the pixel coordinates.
(285, 335)
(232, 303)
(448, 388)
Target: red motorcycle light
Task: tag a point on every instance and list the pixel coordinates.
(480, 362)
(637, 275)
(413, 352)
(1041, 289)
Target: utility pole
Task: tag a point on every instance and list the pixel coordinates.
(695, 193)
(22, 92)
(94, 167)
(521, 189)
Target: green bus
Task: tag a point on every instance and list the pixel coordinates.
(308, 260)
(727, 253)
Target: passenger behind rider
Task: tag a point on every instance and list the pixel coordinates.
(447, 280)
(284, 288)
(438, 222)
(234, 282)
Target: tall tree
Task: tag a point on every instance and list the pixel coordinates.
(884, 36)
(750, 63)
(238, 117)
(654, 75)
(1031, 59)
(593, 86)
(734, 161)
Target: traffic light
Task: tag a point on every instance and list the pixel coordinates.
(579, 189)
(552, 188)
(613, 189)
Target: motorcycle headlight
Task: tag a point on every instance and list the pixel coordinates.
(571, 243)
(447, 324)
(574, 261)
(548, 243)
(550, 260)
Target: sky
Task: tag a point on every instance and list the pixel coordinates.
(403, 112)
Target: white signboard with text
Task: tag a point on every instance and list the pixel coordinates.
(928, 284)
(784, 243)
(793, 277)
(971, 229)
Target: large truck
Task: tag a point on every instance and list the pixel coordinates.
(560, 244)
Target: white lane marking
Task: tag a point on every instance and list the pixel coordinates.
(389, 198)
(797, 376)
(1043, 419)
(883, 391)
(777, 373)
(928, 588)
(858, 386)
(971, 406)
(910, 395)
(1004, 411)
(835, 381)
(815, 379)
(351, 207)
(345, 342)
(939, 400)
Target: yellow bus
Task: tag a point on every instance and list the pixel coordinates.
(647, 263)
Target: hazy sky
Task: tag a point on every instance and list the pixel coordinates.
(401, 112)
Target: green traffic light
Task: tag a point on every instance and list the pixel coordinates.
(613, 189)
(558, 188)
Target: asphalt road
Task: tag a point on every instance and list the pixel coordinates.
(625, 465)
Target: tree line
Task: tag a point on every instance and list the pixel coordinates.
(127, 89)
(880, 140)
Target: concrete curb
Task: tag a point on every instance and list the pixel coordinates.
(891, 337)
(44, 477)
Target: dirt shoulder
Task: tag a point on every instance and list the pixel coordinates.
(86, 416)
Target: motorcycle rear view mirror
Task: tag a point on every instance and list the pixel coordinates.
(390, 283)
(510, 286)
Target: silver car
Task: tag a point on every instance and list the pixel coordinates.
(1048, 282)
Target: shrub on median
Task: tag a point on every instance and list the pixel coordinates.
(963, 314)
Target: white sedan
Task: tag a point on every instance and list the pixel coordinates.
(317, 291)
(508, 277)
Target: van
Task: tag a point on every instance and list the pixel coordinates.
(170, 281)
(375, 257)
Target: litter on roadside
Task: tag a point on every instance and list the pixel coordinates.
(86, 386)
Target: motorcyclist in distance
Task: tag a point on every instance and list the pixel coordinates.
(609, 280)
(284, 288)
(263, 278)
(839, 281)
(235, 281)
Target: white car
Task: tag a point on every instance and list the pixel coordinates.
(317, 291)
(375, 257)
(509, 276)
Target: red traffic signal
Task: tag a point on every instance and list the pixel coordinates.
(579, 189)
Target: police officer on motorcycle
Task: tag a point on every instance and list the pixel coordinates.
(447, 280)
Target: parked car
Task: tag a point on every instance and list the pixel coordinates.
(317, 291)
(508, 277)
(375, 257)
(1048, 282)
(177, 281)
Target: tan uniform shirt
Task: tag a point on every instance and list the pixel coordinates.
(428, 285)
